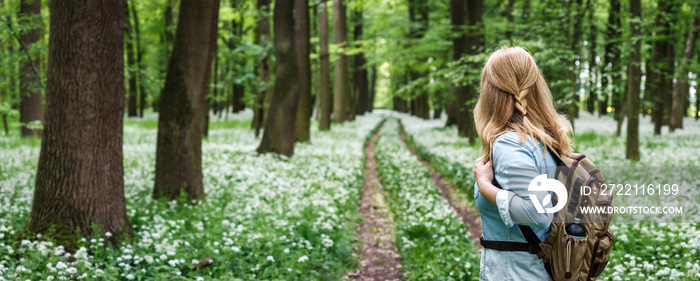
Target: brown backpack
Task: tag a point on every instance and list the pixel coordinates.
(565, 257)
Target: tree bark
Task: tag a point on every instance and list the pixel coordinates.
(659, 71)
(180, 122)
(139, 61)
(473, 43)
(678, 110)
(459, 93)
(263, 39)
(301, 27)
(612, 58)
(360, 76)
(593, 65)
(634, 80)
(80, 176)
(132, 93)
(30, 107)
(278, 136)
(341, 89)
(326, 102)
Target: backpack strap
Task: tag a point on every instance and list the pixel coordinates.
(504, 245)
(533, 240)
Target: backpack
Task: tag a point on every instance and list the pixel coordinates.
(564, 257)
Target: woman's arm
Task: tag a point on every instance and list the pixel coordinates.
(515, 167)
(483, 172)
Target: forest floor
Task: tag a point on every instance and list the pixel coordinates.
(302, 218)
(380, 259)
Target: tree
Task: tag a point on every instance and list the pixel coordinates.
(678, 109)
(278, 136)
(301, 22)
(593, 65)
(326, 103)
(265, 65)
(139, 60)
(473, 41)
(30, 108)
(634, 81)
(458, 21)
(132, 93)
(341, 89)
(612, 57)
(660, 71)
(360, 75)
(80, 176)
(418, 25)
(180, 122)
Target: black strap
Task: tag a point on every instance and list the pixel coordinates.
(532, 239)
(504, 245)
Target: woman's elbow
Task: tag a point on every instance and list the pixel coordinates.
(542, 221)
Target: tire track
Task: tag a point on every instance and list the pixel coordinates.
(380, 257)
(468, 215)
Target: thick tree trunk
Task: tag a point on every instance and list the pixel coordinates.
(132, 93)
(326, 103)
(301, 27)
(263, 39)
(418, 14)
(634, 81)
(30, 108)
(5, 126)
(180, 122)
(360, 69)
(278, 136)
(80, 176)
(678, 110)
(474, 41)
(341, 89)
(139, 61)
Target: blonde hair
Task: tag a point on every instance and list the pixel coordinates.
(515, 97)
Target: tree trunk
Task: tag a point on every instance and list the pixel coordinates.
(473, 43)
(341, 89)
(263, 39)
(360, 69)
(508, 13)
(4, 125)
(678, 110)
(278, 136)
(457, 101)
(132, 94)
(30, 108)
(659, 71)
(634, 80)
(326, 103)
(593, 65)
(372, 89)
(525, 17)
(180, 122)
(139, 61)
(80, 176)
(612, 57)
(305, 107)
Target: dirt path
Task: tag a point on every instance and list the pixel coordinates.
(468, 215)
(380, 257)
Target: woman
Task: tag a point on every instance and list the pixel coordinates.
(521, 133)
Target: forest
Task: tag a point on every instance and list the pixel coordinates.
(320, 139)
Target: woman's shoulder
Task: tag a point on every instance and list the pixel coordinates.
(513, 140)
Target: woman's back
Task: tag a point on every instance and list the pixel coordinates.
(515, 165)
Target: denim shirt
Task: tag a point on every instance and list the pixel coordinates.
(515, 165)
